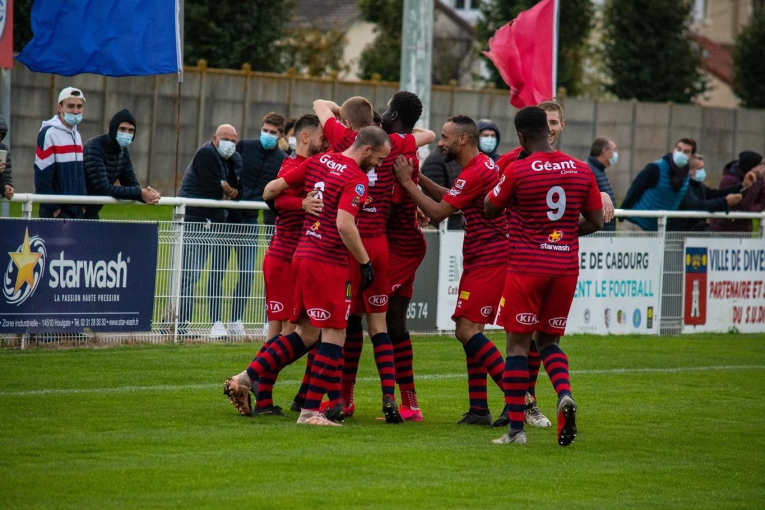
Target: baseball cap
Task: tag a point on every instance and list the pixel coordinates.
(71, 92)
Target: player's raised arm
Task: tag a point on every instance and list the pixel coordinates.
(431, 188)
(275, 188)
(436, 211)
(325, 110)
(423, 136)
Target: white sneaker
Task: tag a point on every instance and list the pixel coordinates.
(518, 437)
(533, 416)
(315, 418)
(236, 328)
(218, 330)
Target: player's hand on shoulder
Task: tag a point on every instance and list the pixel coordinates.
(403, 169)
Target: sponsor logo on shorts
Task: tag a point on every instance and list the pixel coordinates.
(486, 311)
(378, 300)
(558, 322)
(319, 314)
(359, 189)
(555, 236)
(348, 290)
(502, 302)
(586, 315)
(527, 318)
(465, 295)
(275, 306)
(396, 287)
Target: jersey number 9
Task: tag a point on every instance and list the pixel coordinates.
(556, 201)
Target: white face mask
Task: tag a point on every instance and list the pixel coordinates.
(226, 148)
(293, 142)
(680, 158)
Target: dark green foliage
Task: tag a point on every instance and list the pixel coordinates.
(648, 52)
(22, 23)
(574, 29)
(749, 64)
(383, 56)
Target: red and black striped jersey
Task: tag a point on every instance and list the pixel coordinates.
(405, 238)
(547, 192)
(373, 218)
(289, 222)
(485, 241)
(341, 184)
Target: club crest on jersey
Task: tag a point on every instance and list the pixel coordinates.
(556, 236)
(538, 165)
(360, 189)
(355, 202)
(459, 184)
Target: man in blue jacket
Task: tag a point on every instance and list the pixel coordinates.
(210, 174)
(603, 154)
(59, 168)
(107, 160)
(660, 186)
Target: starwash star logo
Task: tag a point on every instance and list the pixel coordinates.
(316, 226)
(556, 236)
(25, 270)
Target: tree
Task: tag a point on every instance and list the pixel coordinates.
(748, 64)
(573, 31)
(22, 23)
(228, 34)
(313, 52)
(648, 52)
(383, 55)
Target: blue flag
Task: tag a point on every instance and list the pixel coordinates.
(107, 37)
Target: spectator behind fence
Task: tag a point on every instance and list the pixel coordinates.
(209, 176)
(702, 198)
(443, 173)
(261, 160)
(747, 171)
(489, 138)
(59, 168)
(604, 154)
(6, 177)
(660, 186)
(107, 160)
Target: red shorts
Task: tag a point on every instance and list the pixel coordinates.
(479, 294)
(322, 293)
(401, 272)
(280, 287)
(533, 302)
(375, 298)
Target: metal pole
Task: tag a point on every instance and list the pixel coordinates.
(181, 12)
(417, 53)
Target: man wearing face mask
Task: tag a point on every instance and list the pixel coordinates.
(700, 197)
(59, 168)
(288, 141)
(660, 186)
(107, 160)
(489, 138)
(603, 154)
(212, 175)
(261, 161)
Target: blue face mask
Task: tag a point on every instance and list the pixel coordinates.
(700, 175)
(72, 119)
(488, 143)
(679, 158)
(613, 159)
(124, 139)
(267, 140)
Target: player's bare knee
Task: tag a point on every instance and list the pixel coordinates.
(518, 344)
(376, 323)
(544, 340)
(465, 330)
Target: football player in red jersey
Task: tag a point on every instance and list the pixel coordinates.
(320, 266)
(547, 191)
(357, 112)
(484, 253)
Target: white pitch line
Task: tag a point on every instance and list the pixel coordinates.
(425, 377)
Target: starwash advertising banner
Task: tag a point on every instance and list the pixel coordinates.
(724, 285)
(618, 287)
(617, 291)
(73, 276)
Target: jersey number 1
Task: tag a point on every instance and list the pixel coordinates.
(556, 201)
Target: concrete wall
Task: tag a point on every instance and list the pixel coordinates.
(642, 131)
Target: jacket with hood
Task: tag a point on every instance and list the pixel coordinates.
(753, 201)
(203, 179)
(106, 163)
(700, 197)
(59, 168)
(661, 185)
(259, 167)
(490, 124)
(7, 176)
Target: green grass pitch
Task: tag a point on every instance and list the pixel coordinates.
(663, 423)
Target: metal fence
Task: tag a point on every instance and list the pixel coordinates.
(209, 272)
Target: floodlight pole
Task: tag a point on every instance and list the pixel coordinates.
(417, 53)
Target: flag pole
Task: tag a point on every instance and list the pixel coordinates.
(555, 49)
(179, 50)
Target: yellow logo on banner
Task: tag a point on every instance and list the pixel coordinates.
(464, 295)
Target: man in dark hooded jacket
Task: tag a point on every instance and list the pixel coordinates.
(489, 138)
(107, 160)
(6, 177)
(748, 171)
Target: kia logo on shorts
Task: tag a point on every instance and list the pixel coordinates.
(527, 318)
(319, 314)
(275, 306)
(377, 300)
(486, 311)
(558, 322)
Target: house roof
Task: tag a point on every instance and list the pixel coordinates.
(717, 59)
(325, 14)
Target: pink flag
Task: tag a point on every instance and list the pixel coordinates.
(525, 52)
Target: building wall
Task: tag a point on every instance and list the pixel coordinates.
(359, 35)
(720, 94)
(723, 19)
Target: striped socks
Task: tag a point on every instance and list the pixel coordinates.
(324, 372)
(516, 382)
